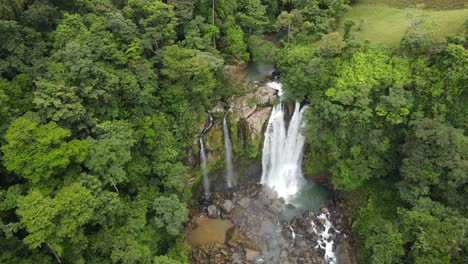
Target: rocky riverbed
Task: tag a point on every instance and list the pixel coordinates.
(263, 228)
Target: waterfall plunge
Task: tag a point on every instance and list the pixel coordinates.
(206, 181)
(282, 150)
(227, 154)
(282, 164)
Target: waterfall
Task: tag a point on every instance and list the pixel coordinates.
(227, 153)
(282, 150)
(206, 181)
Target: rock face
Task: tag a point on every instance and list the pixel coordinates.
(247, 117)
(249, 114)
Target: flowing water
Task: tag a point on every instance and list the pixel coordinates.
(283, 151)
(227, 154)
(282, 168)
(206, 181)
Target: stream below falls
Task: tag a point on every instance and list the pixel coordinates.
(272, 214)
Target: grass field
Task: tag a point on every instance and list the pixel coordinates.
(432, 4)
(379, 22)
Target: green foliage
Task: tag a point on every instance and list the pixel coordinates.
(170, 214)
(110, 151)
(38, 152)
(331, 44)
(434, 158)
(262, 50)
(164, 260)
(58, 219)
(235, 47)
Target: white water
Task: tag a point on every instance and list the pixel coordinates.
(282, 164)
(206, 181)
(282, 150)
(227, 154)
(326, 240)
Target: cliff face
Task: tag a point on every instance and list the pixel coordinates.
(247, 117)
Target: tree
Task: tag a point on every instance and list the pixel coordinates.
(164, 260)
(170, 214)
(262, 50)
(251, 15)
(39, 152)
(234, 46)
(109, 153)
(156, 21)
(434, 159)
(58, 221)
(331, 44)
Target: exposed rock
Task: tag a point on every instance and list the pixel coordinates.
(311, 231)
(197, 220)
(324, 210)
(251, 255)
(213, 211)
(344, 253)
(227, 206)
(276, 206)
(244, 106)
(244, 202)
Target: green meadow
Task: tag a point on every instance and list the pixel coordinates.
(385, 21)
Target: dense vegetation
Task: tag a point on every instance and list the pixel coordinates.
(392, 125)
(99, 101)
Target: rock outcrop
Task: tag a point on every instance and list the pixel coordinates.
(261, 233)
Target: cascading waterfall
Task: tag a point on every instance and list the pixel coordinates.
(282, 150)
(206, 181)
(227, 154)
(282, 163)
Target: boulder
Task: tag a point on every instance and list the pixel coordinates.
(213, 211)
(311, 231)
(324, 210)
(246, 105)
(244, 202)
(227, 206)
(276, 206)
(197, 220)
(251, 255)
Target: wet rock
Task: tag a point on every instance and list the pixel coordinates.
(244, 202)
(311, 215)
(213, 211)
(237, 258)
(197, 220)
(251, 255)
(284, 254)
(227, 206)
(322, 222)
(344, 253)
(276, 206)
(311, 231)
(324, 210)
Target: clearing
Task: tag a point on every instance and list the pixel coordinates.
(385, 21)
